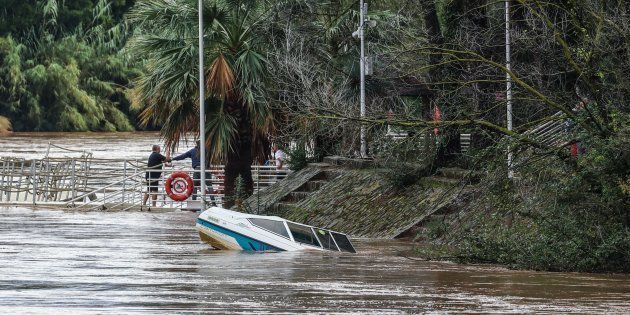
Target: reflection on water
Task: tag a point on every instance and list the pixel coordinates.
(68, 262)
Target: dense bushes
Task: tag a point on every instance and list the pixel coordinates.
(557, 237)
(56, 80)
(298, 158)
(556, 216)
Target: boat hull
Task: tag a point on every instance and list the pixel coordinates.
(223, 238)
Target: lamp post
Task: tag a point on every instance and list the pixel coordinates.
(202, 113)
(508, 87)
(362, 13)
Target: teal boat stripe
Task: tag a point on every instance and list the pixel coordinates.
(246, 242)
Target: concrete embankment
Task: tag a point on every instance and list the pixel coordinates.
(360, 201)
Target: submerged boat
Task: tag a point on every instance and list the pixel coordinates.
(227, 229)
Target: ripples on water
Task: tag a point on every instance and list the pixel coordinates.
(69, 262)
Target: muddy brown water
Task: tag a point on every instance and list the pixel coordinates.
(63, 262)
(121, 145)
(53, 261)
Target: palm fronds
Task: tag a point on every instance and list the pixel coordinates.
(236, 68)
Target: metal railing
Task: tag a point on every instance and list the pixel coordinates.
(103, 183)
(552, 132)
(465, 139)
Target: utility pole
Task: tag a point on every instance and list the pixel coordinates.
(362, 14)
(508, 95)
(202, 112)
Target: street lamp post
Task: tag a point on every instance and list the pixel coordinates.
(508, 87)
(362, 13)
(202, 113)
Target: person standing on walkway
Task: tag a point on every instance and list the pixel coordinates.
(279, 156)
(153, 174)
(194, 155)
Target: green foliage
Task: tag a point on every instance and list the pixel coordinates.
(406, 160)
(555, 239)
(436, 228)
(403, 175)
(19, 17)
(298, 158)
(167, 92)
(67, 81)
(561, 219)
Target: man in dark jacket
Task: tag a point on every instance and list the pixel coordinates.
(193, 155)
(154, 173)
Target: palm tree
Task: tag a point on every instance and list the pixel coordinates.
(237, 117)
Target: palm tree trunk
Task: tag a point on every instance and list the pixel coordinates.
(239, 160)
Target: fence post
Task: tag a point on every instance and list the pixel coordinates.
(34, 178)
(2, 172)
(258, 190)
(124, 188)
(74, 179)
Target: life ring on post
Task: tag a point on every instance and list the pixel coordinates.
(179, 186)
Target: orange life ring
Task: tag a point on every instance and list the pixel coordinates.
(179, 186)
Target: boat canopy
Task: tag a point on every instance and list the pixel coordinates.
(304, 234)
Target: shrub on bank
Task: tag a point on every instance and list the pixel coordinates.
(553, 216)
(298, 158)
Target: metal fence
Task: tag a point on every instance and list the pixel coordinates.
(89, 182)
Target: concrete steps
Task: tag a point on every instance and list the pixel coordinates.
(280, 208)
(295, 196)
(287, 203)
(444, 181)
(460, 174)
(434, 224)
(312, 185)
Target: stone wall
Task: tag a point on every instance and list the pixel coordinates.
(363, 204)
(360, 202)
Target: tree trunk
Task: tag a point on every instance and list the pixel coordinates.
(239, 160)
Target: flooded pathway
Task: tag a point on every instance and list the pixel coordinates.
(56, 262)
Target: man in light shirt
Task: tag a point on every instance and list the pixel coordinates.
(279, 156)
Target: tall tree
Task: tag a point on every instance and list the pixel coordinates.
(237, 116)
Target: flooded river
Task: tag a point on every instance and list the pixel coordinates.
(63, 262)
(67, 262)
(121, 145)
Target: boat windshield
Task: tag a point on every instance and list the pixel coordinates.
(326, 239)
(303, 234)
(271, 226)
(344, 243)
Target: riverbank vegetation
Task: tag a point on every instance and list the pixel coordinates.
(62, 66)
(440, 71)
(288, 72)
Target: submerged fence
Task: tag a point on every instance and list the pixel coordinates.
(103, 183)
